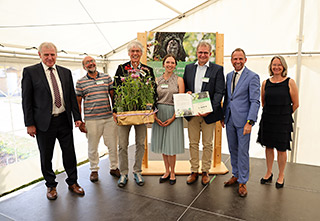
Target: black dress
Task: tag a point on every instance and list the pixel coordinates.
(276, 120)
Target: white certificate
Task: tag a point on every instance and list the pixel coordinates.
(191, 105)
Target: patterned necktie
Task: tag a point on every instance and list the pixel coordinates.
(234, 81)
(57, 98)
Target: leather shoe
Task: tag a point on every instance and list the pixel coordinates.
(76, 189)
(94, 177)
(231, 181)
(269, 180)
(52, 193)
(193, 177)
(115, 173)
(243, 190)
(205, 178)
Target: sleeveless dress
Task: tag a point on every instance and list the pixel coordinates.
(167, 140)
(276, 120)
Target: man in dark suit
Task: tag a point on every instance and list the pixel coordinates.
(241, 106)
(48, 101)
(198, 77)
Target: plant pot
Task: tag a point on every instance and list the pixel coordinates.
(135, 117)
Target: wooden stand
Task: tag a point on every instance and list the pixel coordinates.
(183, 166)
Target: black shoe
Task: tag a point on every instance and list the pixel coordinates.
(264, 181)
(162, 180)
(172, 181)
(279, 185)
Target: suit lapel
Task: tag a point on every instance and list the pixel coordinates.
(43, 77)
(242, 78)
(193, 76)
(207, 75)
(62, 80)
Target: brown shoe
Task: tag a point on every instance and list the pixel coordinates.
(231, 181)
(192, 178)
(76, 189)
(205, 178)
(115, 173)
(52, 193)
(94, 176)
(243, 190)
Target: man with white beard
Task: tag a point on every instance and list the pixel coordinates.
(96, 89)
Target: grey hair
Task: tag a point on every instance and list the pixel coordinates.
(283, 63)
(135, 44)
(206, 44)
(47, 45)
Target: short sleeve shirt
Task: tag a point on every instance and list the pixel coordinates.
(95, 95)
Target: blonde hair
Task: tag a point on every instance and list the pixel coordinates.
(283, 63)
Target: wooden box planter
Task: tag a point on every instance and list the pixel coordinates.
(135, 117)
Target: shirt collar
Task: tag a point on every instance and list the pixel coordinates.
(239, 72)
(88, 76)
(206, 64)
(139, 66)
(45, 67)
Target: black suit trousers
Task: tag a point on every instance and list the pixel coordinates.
(59, 129)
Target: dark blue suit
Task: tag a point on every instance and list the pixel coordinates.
(239, 107)
(215, 87)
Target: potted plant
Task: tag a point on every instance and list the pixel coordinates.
(135, 97)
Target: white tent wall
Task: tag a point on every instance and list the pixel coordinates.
(262, 29)
(12, 125)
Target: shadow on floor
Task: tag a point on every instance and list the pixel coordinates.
(298, 200)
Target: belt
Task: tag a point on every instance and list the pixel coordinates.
(57, 115)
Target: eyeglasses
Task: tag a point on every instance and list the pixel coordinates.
(90, 61)
(135, 51)
(203, 52)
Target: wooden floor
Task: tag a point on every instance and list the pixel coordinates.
(298, 200)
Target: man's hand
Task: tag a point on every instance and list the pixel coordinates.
(247, 129)
(203, 115)
(222, 123)
(115, 117)
(31, 130)
(82, 128)
(78, 123)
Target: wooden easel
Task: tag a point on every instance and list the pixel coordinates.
(183, 167)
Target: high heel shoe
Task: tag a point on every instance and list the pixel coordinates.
(279, 185)
(162, 180)
(264, 181)
(172, 181)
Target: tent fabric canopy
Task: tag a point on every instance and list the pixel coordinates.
(85, 26)
(102, 29)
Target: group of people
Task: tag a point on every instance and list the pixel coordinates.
(49, 102)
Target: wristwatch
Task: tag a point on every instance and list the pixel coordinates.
(251, 122)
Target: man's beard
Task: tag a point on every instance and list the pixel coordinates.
(91, 70)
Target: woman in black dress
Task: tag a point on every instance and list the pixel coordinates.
(279, 99)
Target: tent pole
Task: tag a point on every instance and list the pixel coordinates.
(293, 157)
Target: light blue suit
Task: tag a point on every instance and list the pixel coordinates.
(239, 107)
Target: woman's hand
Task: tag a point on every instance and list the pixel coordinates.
(169, 121)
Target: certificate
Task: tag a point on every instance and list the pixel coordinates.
(191, 105)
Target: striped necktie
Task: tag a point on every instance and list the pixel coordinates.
(57, 98)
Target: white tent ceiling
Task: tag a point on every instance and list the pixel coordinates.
(85, 26)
